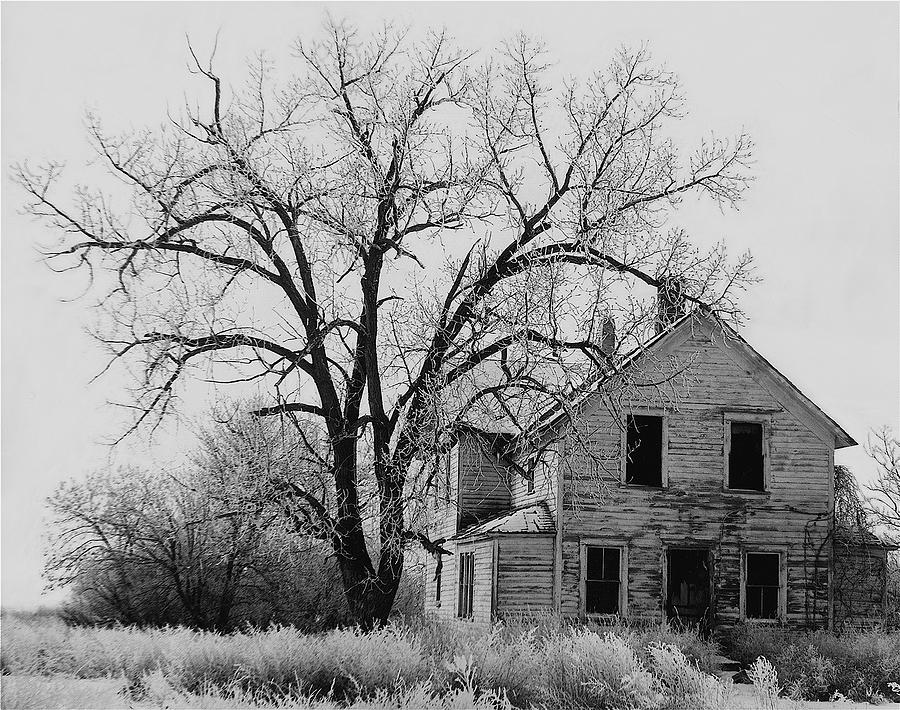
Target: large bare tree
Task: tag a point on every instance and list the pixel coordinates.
(400, 240)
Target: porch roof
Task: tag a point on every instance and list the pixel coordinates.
(535, 518)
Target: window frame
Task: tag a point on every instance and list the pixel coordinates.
(623, 577)
(664, 453)
(782, 583)
(465, 563)
(765, 420)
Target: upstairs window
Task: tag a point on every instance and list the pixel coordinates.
(437, 582)
(529, 481)
(441, 485)
(531, 466)
(762, 593)
(466, 594)
(603, 580)
(644, 446)
(746, 460)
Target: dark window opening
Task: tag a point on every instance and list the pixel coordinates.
(466, 585)
(763, 585)
(437, 582)
(448, 461)
(441, 478)
(745, 459)
(602, 580)
(644, 448)
(688, 589)
(530, 471)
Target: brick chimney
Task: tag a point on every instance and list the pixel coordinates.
(608, 337)
(670, 302)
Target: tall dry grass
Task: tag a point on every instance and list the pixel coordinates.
(421, 663)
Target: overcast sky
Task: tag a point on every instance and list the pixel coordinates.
(816, 85)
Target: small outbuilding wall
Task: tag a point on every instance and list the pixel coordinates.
(859, 581)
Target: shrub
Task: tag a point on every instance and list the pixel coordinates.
(584, 669)
(439, 639)
(692, 644)
(765, 682)
(815, 665)
(509, 661)
(806, 673)
(683, 682)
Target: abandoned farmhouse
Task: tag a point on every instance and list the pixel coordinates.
(692, 482)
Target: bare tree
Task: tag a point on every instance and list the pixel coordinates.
(133, 536)
(884, 448)
(399, 242)
(204, 547)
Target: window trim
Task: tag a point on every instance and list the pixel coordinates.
(461, 555)
(622, 547)
(623, 448)
(782, 583)
(753, 417)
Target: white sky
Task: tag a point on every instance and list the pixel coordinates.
(816, 85)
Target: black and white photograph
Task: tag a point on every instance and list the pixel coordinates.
(447, 355)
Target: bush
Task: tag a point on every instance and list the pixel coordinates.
(683, 682)
(583, 669)
(815, 665)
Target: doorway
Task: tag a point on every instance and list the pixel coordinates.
(688, 575)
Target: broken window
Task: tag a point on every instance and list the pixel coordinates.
(602, 580)
(643, 465)
(437, 581)
(745, 458)
(441, 478)
(466, 585)
(763, 585)
(530, 471)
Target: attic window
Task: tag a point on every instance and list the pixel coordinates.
(644, 442)
(763, 587)
(746, 461)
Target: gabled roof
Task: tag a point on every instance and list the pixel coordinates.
(530, 519)
(760, 368)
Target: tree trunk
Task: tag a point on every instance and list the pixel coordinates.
(369, 596)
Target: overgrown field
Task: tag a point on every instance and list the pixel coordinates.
(421, 664)
(427, 664)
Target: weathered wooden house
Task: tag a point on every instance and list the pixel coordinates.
(708, 499)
